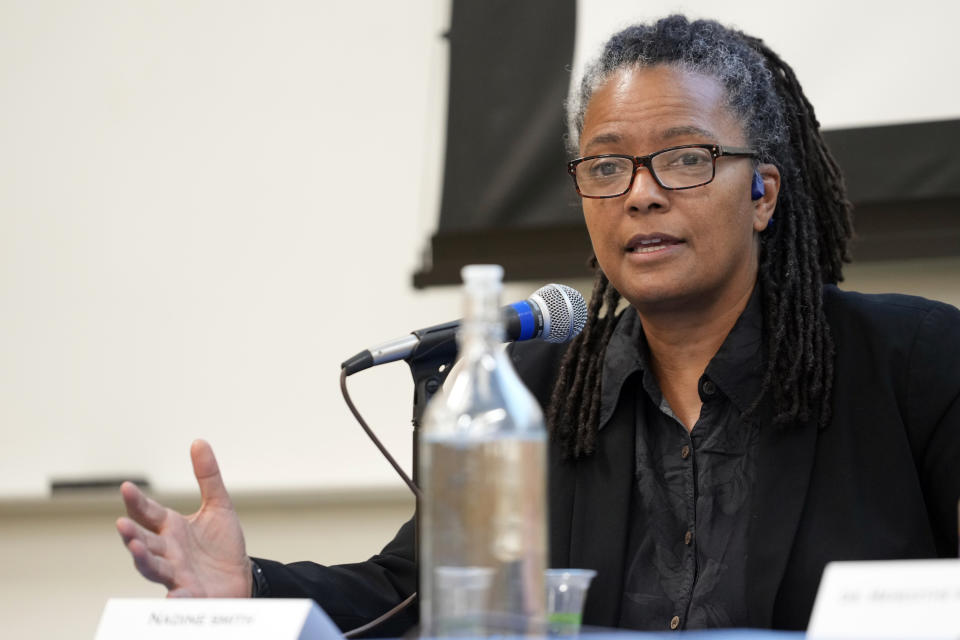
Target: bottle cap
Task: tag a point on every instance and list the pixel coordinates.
(482, 284)
(481, 274)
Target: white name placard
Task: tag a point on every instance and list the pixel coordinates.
(215, 618)
(888, 599)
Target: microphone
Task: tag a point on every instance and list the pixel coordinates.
(555, 313)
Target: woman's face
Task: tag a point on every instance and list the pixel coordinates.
(665, 249)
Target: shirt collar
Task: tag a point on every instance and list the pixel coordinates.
(736, 369)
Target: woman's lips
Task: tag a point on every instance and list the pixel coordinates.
(651, 243)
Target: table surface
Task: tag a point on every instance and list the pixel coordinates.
(704, 634)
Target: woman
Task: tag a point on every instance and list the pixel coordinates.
(739, 424)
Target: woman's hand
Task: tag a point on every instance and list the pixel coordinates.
(202, 555)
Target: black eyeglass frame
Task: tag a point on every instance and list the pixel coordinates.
(716, 151)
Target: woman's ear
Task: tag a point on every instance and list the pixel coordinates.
(763, 191)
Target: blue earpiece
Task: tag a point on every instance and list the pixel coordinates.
(756, 187)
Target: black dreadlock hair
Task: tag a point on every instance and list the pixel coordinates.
(804, 249)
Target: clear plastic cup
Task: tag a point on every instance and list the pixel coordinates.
(463, 596)
(566, 593)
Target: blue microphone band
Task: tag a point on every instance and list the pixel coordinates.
(528, 322)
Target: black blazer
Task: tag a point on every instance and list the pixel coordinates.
(881, 481)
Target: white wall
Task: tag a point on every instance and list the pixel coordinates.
(204, 208)
(861, 62)
(188, 248)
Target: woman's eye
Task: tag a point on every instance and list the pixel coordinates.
(690, 160)
(605, 169)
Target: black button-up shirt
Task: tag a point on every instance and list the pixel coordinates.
(687, 547)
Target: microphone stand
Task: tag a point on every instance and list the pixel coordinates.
(430, 364)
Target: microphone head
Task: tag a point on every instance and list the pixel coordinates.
(564, 312)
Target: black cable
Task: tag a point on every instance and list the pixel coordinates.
(376, 441)
(352, 633)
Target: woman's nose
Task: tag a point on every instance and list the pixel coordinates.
(645, 193)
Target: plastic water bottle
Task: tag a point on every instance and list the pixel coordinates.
(483, 544)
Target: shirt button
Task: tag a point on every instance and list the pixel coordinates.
(685, 452)
(688, 537)
(674, 622)
(708, 387)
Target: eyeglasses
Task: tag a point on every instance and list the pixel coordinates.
(684, 167)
